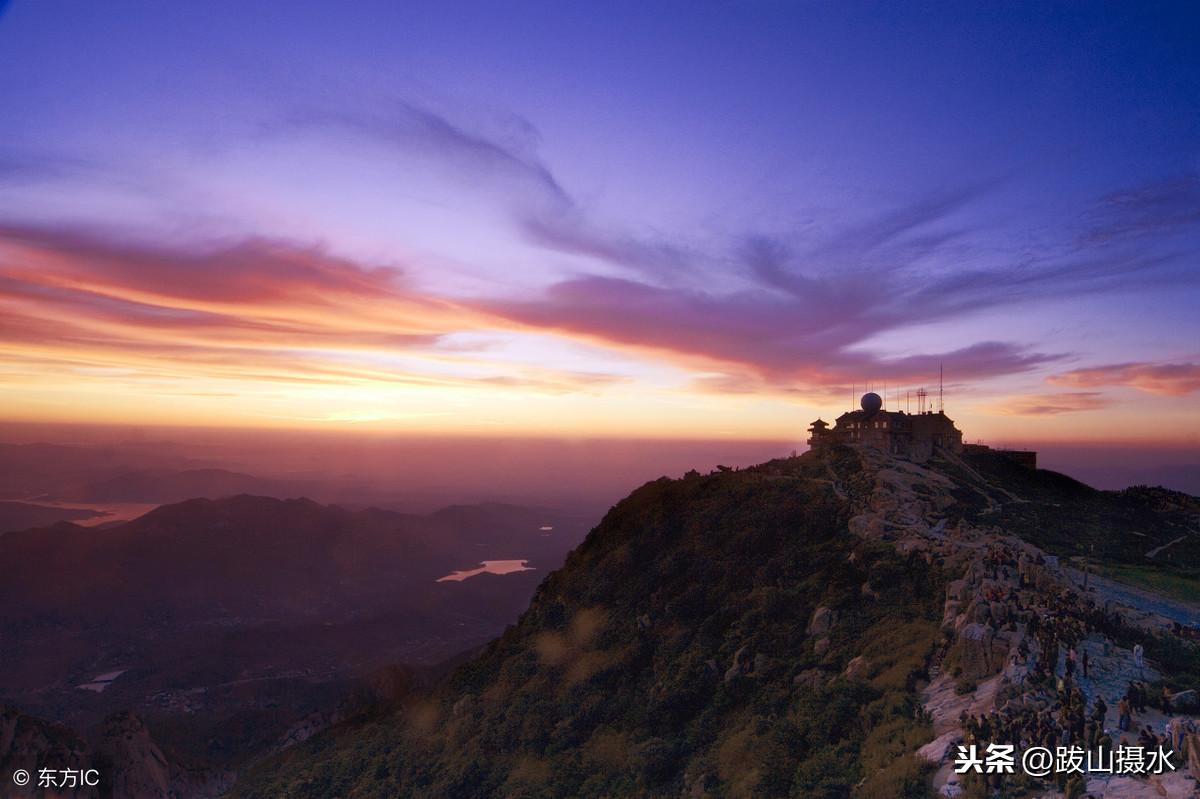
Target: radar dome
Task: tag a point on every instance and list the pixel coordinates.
(871, 402)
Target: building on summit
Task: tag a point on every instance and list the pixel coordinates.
(911, 436)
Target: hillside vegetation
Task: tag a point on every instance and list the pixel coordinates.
(729, 636)
(715, 635)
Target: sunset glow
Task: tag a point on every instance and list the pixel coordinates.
(680, 235)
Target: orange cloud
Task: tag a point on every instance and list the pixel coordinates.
(1050, 404)
(260, 311)
(1168, 379)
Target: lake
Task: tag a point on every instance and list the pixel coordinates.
(488, 567)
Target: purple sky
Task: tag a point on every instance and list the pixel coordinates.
(631, 219)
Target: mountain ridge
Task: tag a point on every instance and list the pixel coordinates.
(773, 631)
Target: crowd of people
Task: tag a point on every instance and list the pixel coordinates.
(1052, 674)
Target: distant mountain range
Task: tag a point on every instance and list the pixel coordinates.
(228, 620)
(163, 486)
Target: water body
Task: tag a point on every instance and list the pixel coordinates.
(488, 567)
(106, 512)
(114, 512)
(102, 681)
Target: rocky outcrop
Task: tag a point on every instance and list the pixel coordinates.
(974, 650)
(1186, 701)
(309, 726)
(822, 622)
(741, 665)
(31, 744)
(1001, 580)
(139, 769)
(857, 668)
(121, 752)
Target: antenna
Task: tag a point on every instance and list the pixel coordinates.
(941, 405)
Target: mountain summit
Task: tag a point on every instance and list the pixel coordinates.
(818, 626)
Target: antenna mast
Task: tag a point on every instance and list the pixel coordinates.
(941, 405)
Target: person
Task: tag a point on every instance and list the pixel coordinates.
(1147, 738)
(1192, 737)
(1166, 700)
(1125, 711)
(1137, 696)
(1139, 659)
(1175, 734)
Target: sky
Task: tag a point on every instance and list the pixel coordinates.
(671, 220)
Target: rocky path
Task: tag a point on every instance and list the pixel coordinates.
(1158, 610)
(907, 505)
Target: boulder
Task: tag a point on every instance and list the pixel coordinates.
(860, 525)
(139, 770)
(857, 668)
(1186, 701)
(949, 613)
(317, 722)
(976, 656)
(822, 621)
(739, 666)
(935, 751)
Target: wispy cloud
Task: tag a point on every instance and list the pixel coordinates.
(407, 127)
(1050, 404)
(1168, 379)
(543, 211)
(1161, 208)
(805, 312)
(773, 310)
(801, 320)
(803, 337)
(259, 310)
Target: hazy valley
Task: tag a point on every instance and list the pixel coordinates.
(235, 625)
